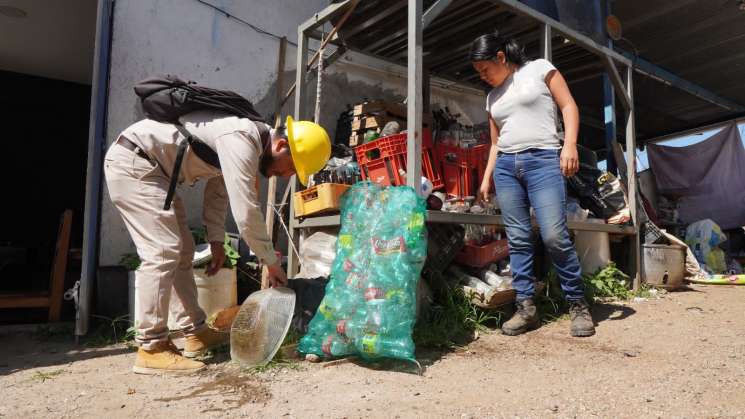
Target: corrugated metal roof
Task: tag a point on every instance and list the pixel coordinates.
(700, 40)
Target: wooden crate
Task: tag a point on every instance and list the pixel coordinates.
(365, 123)
(377, 107)
(318, 199)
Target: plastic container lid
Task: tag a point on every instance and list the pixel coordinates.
(261, 326)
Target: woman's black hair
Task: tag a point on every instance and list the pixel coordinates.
(486, 47)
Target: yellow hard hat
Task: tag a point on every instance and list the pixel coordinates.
(310, 147)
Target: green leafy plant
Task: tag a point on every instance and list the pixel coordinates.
(607, 283)
(231, 254)
(130, 261)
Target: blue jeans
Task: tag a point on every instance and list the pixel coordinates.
(533, 178)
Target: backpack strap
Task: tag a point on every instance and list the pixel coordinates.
(263, 134)
(207, 157)
(180, 151)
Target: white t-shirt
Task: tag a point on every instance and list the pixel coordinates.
(524, 109)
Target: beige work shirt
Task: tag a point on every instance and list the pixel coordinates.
(238, 146)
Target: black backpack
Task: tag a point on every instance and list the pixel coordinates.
(167, 98)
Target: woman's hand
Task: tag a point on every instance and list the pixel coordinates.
(569, 160)
(484, 190)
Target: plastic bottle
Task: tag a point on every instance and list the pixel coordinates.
(498, 282)
(337, 346)
(374, 346)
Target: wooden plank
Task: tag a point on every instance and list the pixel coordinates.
(59, 267)
(356, 139)
(372, 122)
(395, 109)
(24, 301)
(638, 213)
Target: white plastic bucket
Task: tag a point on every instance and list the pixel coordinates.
(593, 249)
(214, 293)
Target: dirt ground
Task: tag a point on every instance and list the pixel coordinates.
(682, 355)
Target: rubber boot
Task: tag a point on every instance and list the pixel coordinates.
(204, 340)
(582, 324)
(164, 359)
(525, 318)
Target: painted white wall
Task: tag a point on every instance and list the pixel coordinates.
(191, 40)
(196, 42)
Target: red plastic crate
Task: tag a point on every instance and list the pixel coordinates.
(463, 168)
(383, 160)
(480, 256)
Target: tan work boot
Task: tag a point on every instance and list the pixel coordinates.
(164, 359)
(206, 339)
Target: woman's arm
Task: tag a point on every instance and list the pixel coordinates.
(563, 98)
(486, 182)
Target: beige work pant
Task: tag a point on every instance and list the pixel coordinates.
(164, 243)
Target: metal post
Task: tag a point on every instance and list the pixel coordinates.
(609, 116)
(94, 175)
(434, 11)
(300, 113)
(546, 47)
(414, 93)
(631, 174)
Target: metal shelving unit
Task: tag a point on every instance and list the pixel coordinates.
(417, 19)
(439, 217)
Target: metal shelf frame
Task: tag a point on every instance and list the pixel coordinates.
(417, 20)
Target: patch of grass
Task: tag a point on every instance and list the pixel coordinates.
(111, 331)
(44, 376)
(646, 291)
(607, 284)
(552, 305)
(452, 319)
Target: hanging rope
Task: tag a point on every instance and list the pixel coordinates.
(319, 84)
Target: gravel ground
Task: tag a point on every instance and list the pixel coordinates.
(678, 356)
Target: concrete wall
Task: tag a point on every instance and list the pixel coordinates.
(198, 43)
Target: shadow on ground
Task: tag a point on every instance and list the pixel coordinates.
(611, 311)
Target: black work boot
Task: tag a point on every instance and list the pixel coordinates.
(524, 319)
(582, 324)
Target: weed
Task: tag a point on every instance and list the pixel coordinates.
(607, 283)
(44, 376)
(452, 320)
(646, 291)
(552, 305)
(111, 331)
(130, 261)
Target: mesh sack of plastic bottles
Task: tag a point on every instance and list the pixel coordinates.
(370, 304)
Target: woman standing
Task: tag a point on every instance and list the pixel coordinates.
(527, 161)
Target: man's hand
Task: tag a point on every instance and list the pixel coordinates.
(218, 258)
(569, 160)
(277, 276)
